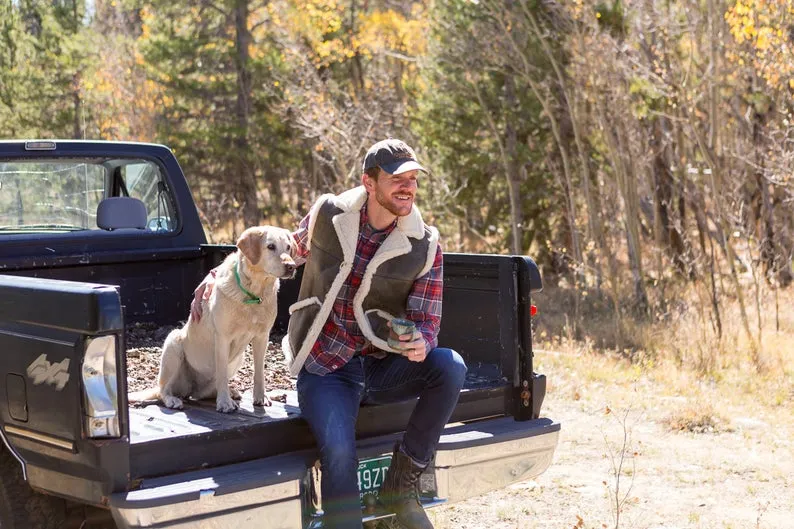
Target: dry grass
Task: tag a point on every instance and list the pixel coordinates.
(700, 418)
(679, 342)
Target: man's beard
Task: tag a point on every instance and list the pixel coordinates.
(393, 208)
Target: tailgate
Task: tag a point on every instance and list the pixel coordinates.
(59, 348)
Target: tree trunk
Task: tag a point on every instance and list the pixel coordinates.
(775, 265)
(628, 192)
(663, 196)
(508, 163)
(714, 97)
(703, 235)
(595, 230)
(246, 193)
(723, 228)
(526, 72)
(511, 168)
(78, 132)
(356, 68)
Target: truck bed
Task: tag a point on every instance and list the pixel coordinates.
(484, 319)
(163, 440)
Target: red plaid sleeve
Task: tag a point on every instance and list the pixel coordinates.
(424, 302)
(301, 238)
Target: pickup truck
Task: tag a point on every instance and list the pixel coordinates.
(79, 265)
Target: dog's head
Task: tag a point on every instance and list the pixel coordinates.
(269, 249)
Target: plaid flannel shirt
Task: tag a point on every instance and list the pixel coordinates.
(341, 337)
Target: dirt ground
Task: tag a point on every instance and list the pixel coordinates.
(697, 455)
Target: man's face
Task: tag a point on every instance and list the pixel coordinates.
(395, 193)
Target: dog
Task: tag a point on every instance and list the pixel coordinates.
(199, 358)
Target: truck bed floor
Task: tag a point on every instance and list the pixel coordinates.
(154, 422)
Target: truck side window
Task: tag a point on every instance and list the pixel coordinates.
(145, 182)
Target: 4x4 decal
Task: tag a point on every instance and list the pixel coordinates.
(42, 371)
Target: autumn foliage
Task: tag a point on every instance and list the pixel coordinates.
(630, 146)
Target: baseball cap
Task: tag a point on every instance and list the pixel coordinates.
(393, 156)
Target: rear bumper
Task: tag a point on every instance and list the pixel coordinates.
(239, 496)
(471, 459)
(493, 454)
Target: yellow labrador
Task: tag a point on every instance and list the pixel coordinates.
(200, 358)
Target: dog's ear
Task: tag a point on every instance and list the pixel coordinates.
(250, 244)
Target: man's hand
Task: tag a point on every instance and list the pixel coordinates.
(416, 349)
(200, 295)
(412, 346)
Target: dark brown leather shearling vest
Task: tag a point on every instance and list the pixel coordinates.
(406, 254)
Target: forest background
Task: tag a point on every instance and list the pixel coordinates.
(638, 150)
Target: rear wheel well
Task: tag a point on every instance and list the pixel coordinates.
(20, 506)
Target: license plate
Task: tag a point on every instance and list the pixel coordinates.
(371, 473)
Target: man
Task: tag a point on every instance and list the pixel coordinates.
(370, 258)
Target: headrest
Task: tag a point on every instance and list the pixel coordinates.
(117, 213)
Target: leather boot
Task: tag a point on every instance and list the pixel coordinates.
(399, 492)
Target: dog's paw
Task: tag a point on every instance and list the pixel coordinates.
(235, 394)
(262, 400)
(175, 403)
(225, 405)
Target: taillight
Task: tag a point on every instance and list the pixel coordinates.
(100, 393)
(533, 310)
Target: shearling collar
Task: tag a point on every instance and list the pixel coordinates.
(354, 199)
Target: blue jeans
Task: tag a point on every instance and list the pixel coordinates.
(330, 405)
